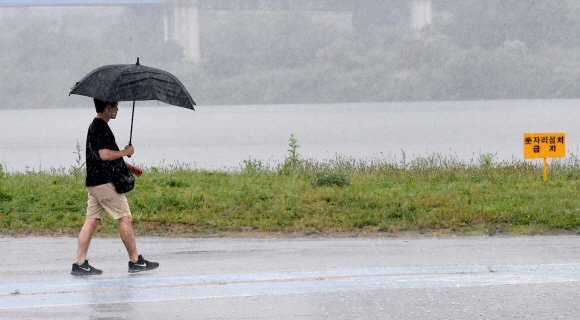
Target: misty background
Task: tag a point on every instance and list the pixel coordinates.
(472, 50)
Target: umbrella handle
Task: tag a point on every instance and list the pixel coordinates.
(132, 116)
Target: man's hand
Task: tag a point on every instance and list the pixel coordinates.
(129, 150)
(135, 170)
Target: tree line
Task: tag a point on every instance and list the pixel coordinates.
(496, 49)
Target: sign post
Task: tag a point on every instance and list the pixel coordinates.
(544, 145)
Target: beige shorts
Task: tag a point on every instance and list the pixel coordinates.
(105, 197)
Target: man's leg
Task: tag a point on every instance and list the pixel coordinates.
(128, 237)
(118, 207)
(136, 262)
(85, 238)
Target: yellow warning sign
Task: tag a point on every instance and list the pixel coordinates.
(544, 145)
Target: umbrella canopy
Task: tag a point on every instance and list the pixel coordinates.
(133, 82)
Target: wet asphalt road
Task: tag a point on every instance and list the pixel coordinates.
(347, 278)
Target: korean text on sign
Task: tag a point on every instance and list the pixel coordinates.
(544, 145)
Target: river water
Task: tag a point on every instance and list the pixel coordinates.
(222, 137)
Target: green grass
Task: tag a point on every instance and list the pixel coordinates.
(431, 196)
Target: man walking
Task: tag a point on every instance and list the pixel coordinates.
(100, 150)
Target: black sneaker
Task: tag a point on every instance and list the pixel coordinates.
(142, 265)
(84, 269)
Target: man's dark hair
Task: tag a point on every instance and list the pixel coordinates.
(101, 105)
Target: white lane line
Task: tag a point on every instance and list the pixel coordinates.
(157, 289)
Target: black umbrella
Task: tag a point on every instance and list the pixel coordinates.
(133, 82)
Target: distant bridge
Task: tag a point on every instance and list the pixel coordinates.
(181, 23)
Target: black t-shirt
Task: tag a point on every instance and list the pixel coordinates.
(99, 137)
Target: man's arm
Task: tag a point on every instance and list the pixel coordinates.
(108, 155)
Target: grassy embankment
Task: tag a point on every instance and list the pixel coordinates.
(432, 196)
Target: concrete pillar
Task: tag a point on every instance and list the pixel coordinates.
(421, 14)
(166, 18)
(182, 26)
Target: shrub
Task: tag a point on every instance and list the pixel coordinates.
(330, 179)
(293, 161)
(252, 167)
